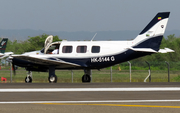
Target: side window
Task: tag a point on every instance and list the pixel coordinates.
(95, 49)
(81, 49)
(67, 49)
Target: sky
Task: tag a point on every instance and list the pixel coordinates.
(85, 15)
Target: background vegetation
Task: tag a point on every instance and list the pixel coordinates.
(31, 44)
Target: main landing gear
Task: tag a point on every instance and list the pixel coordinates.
(28, 79)
(87, 76)
(52, 77)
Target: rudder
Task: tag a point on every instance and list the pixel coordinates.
(3, 44)
(152, 34)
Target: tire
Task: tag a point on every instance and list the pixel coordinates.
(52, 79)
(86, 78)
(28, 79)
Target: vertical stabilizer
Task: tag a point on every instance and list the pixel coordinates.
(3, 44)
(152, 34)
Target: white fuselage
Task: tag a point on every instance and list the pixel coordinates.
(107, 48)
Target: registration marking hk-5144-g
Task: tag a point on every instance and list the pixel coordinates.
(103, 59)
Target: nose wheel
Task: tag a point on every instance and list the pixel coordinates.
(28, 79)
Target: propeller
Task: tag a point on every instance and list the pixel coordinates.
(10, 59)
(14, 69)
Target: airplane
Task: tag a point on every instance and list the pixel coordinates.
(3, 44)
(88, 55)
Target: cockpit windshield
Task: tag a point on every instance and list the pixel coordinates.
(51, 48)
(42, 50)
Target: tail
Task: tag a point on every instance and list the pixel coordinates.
(151, 36)
(3, 44)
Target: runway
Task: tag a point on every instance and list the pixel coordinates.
(90, 97)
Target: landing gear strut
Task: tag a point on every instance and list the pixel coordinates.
(52, 77)
(87, 76)
(28, 79)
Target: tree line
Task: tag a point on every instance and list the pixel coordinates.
(31, 44)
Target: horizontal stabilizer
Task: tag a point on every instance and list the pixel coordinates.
(6, 54)
(165, 50)
(143, 50)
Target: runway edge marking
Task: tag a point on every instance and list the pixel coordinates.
(89, 89)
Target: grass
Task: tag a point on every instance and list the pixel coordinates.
(64, 76)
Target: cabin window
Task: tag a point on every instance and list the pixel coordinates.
(81, 49)
(67, 49)
(95, 49)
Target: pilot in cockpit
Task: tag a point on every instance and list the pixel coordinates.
(56, 50)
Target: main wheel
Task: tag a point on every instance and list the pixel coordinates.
(52, 79)
(86, 78)
(28, 79)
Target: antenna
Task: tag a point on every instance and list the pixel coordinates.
(93, 37)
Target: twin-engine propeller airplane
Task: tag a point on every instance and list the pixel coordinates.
(3, 44)
(89, 55)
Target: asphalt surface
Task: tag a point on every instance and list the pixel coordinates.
(86, 101)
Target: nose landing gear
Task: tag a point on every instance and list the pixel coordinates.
(28, 79)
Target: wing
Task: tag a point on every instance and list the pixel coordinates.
(1, 55)
(46, 61)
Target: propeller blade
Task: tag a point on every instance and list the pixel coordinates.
(14, 69)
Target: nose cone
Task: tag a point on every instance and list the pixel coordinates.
(9, 59)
